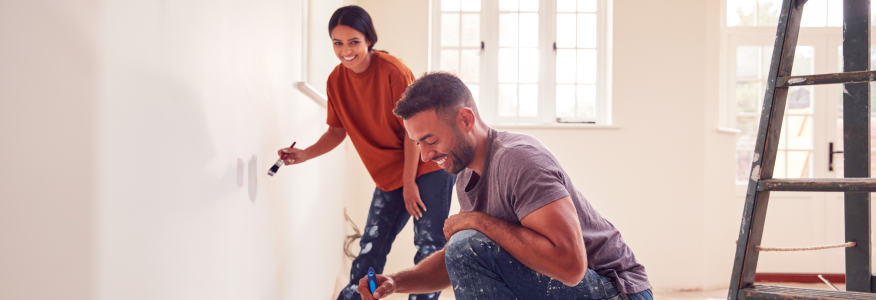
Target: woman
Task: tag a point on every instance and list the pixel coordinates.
(362, 91)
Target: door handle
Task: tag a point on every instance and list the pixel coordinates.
(830, 158)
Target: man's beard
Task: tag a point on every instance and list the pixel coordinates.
(461, 155)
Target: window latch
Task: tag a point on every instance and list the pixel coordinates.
(482, 46)
(830, 158)
(555, 46)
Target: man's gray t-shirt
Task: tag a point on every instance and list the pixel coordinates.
(520, 176)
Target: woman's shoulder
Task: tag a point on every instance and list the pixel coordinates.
(391, 64)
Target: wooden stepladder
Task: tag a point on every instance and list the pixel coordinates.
(857, 184)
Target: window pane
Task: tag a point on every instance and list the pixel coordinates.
(803, 61)
(766, 61)
(507, 65)
(508, 5)
(508, 30)
(471, 65)
(528, 100)
(746, 139)
(471, 30)
(566, 5)
(587, 30)
(586, 66)
(508, 100)
(566, 65)
(586, 100)
(768, 12)
(528, 5)
(747, 95)
(798, 164)
(800, 100)
(834, 13)
(783, 135)
(566, 101)
(747, 62)
(814, 14)
(529, 30)
(528, 65)
(566, 30)
(450, 5)
(475, 92)
(781, 165)
(586, 5)
(450, 30)
(471, 5)
(450, 60)
(741, 13)
(800, 132)
(743, 165)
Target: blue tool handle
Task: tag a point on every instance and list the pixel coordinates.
(372, 280)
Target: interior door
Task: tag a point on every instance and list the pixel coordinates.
(793, 218)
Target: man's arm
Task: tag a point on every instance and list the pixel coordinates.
(430, 275)
(549, 240)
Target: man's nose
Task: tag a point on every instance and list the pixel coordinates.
(425, 154)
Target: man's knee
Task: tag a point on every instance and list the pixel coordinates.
(466, 244)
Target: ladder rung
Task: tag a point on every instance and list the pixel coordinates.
(818, 185)
(847, 77)
(781, 292)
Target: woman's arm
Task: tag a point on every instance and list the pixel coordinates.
(411, 191)
(329, 140)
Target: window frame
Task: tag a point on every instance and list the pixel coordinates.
(488, 89)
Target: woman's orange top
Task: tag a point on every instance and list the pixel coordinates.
(362, 104)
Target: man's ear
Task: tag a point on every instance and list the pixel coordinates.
(466, 118)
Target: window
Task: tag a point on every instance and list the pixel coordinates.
(527, 61)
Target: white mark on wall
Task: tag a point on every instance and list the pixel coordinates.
(796, 80)
(755, 173)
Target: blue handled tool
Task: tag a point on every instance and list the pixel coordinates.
(372, 280)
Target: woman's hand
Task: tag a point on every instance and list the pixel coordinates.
(293, 156)
(411, 193)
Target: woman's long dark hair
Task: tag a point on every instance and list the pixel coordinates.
(356, 18)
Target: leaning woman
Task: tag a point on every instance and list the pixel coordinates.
(362, 91)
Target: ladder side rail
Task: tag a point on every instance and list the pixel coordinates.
(856, 133)
(754, 210)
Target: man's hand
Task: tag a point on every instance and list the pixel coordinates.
(413, 202)
(385, 287)
(462, 221)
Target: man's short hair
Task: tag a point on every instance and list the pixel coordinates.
(441, 91)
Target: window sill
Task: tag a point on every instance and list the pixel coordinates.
(551, 126)
(728, 130)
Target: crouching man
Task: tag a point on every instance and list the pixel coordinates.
(525, 231)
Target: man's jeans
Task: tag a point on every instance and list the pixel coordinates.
(388, 216)
(480, 269)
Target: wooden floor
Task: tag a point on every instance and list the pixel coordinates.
(701, 295)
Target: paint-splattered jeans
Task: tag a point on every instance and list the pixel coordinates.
(388, 216)
(480, 269)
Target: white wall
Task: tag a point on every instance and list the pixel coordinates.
(48, 101)
(136, 138)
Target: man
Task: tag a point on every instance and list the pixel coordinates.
(525, 231)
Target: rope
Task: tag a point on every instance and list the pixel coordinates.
(350, 238)
(846, 245)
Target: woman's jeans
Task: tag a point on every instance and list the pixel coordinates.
(480, 269)
(386, 218)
